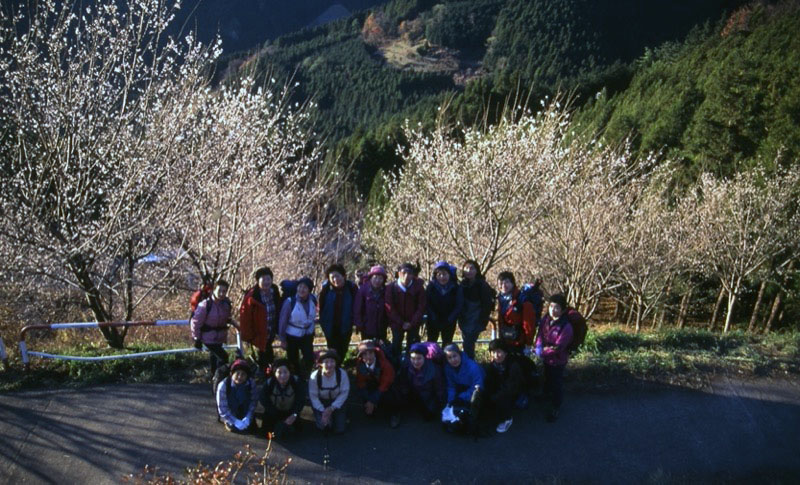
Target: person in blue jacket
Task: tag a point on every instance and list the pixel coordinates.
(464, 383)
(444, 300)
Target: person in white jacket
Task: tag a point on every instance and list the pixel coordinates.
(328, 389)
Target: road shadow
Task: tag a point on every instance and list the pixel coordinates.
(732, 432)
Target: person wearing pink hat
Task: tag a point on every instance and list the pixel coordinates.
(369, 312)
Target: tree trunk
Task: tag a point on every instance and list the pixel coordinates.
(717, 306)
(630, 315)
(638, 313)
(112, 335)
(684, 307)
(757, 307)
(617, 308)
(729, 316)
(776, 304)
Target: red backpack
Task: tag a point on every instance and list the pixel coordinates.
(204, 293)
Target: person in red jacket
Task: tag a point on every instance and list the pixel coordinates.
(374, 378)
(405, 306)
(516, 322)
(258, 316)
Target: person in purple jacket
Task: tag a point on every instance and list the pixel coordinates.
(552, 341)
(210, 322)
(369, 312)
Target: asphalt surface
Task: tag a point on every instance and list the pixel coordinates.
(736, 431)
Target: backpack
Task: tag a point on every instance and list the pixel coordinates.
(220, 375)
(338, 378)
(579, 329)
(531, 292)
(204, 293)
(289, 290)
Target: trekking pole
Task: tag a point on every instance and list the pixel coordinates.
(326, 455)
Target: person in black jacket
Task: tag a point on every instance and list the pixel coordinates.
(478, 303)
(283, 398)
(505, 383)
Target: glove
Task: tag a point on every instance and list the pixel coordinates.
(538, 351)
(198, 344)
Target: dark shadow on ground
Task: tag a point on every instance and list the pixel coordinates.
(735, 431)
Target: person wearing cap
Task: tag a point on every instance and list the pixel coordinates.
(465, 382)
(296, 326)
(552, 342)
(444, 301)
(420, 384)
(505, 384)
(369, 312)
(328, 389)
(478, 297)
(209, 324)
(374, 377)
(516, 321)
(336, 309)
(237, 396)
(283, 398)
(405, 307)
(258, 316)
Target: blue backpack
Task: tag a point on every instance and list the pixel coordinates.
(531, 292)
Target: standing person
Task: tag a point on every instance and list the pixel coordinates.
(369, 311)
(296, 326)
(516, 321)
(420, 384)
(505, 383)
(210, 322)
(444, 301)
(405, 306)
(328, 389)
(478, 305)
(336, 309)
(374, 377)
(555, 335)
(283, 398)
(465, 384)
(258, 316)
(237, 396)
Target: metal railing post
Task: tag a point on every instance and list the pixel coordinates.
(3, 354)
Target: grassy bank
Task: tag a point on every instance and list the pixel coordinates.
(609, 358)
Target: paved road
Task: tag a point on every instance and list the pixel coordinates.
(739, 431)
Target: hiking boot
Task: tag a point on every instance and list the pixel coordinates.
(394, 421)
(503, 427)
(552, 416)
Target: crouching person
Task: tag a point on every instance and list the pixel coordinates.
(464, 388)
(374, 377)
(420, 385)
(505, 384)
(283, 397)
(237, 397)
(328, 389)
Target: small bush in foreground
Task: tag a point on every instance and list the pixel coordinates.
(246, 466)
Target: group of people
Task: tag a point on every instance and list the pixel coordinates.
(390, 378)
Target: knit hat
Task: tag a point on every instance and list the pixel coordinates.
(377, 270)
(263, 271)
(328, 354)
(559, 299)
(418, 348)
(241, 364)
